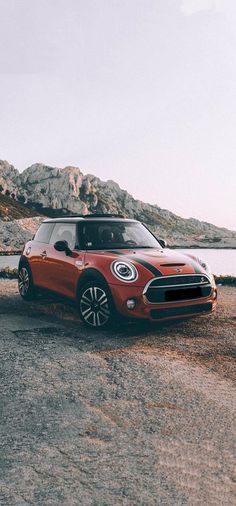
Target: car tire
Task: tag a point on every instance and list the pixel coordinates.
(25, 283)
(96, 306)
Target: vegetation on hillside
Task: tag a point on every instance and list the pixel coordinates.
(10, 209)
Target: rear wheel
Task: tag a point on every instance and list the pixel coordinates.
(95, 305)
(25, 283)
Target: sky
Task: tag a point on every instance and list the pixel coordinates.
(139, 91)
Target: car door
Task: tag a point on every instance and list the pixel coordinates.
(38, 252)
(62, 269)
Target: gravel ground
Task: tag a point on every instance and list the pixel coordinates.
(140, 415)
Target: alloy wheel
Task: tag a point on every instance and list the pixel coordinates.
(94, 306)
(23, 281)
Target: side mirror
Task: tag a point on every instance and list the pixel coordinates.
(163, 243)
(62, 246)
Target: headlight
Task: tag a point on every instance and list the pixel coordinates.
(124, 270)
(205, 265)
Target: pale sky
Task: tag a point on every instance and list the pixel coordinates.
(139, 91)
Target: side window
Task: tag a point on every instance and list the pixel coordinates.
(64, 232)
(44, 233)
(88, 236)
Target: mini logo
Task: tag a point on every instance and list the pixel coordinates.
(178, 269)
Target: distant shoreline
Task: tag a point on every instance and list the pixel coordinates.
(202, 247)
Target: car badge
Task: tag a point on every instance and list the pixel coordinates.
(178, 269)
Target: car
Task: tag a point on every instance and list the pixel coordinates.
(110, 265)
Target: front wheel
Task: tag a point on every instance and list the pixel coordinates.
(25, 283)
(96, 305)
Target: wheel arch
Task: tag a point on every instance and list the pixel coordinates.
(23, 261)
(90, 274)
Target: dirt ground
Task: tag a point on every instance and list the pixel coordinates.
(139, 415)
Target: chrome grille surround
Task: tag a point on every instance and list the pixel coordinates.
(177, 281)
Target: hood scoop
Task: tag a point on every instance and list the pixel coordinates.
(172, 265)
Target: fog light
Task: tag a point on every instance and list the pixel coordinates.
(130, 303)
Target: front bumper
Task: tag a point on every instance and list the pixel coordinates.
(160, 311)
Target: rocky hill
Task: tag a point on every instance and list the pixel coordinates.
(67, 191)
(14, 234)
(17, 223)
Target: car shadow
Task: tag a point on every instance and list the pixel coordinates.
(123, 334)
(63, 324)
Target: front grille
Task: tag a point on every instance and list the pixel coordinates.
(156, 314)
(185, 279)
(177, 288)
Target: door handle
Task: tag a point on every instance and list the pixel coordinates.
(43, 254)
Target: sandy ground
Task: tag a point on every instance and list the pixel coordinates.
(140, 415)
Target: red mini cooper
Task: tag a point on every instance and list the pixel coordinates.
(110, 265)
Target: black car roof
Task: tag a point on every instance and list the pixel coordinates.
(88, 218)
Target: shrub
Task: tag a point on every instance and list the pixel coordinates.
(225, 280)
(8, 273)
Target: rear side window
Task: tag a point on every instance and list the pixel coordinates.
(64, 232)
(44, 233)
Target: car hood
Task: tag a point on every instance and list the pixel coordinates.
(162, 262)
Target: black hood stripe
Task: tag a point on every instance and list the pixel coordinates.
(151, 267)
(148, 266)
(145, 264)
(114, 252)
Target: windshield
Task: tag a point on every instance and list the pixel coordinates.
(117, 235)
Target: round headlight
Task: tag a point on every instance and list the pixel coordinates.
(204, 265)
(124, 270)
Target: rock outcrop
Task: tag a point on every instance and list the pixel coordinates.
(69, 191)
(14, 234)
